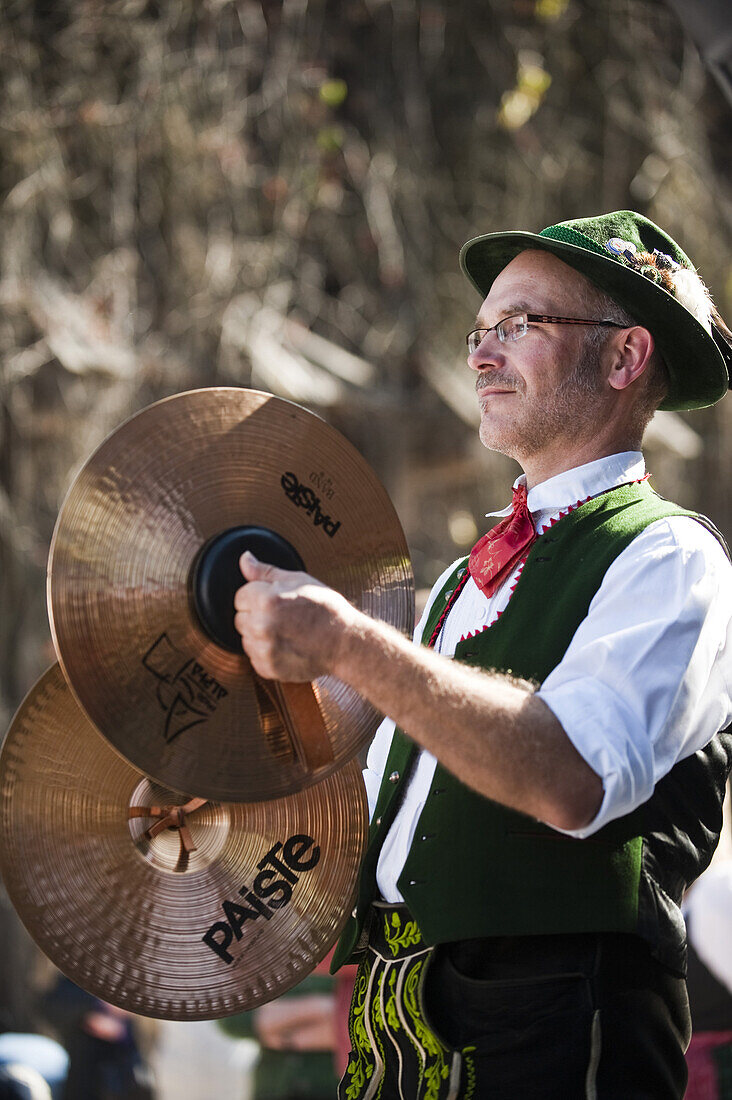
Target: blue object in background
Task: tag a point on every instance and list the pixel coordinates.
(42, 1054)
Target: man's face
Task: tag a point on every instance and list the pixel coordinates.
(545, 390)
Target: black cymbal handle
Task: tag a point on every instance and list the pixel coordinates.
(215, 576)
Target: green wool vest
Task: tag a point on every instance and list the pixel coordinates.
(476, 868)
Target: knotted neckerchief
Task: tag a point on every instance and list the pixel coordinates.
(496, 555)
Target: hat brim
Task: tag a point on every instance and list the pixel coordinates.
(698, 368)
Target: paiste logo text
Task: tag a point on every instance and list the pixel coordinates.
(280, 870)
(305, 497)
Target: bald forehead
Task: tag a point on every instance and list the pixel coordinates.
(536, 281)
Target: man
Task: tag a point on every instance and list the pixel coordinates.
(517, 918)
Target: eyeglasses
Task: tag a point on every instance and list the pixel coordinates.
(516, 326)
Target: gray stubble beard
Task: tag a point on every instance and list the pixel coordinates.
(575, 410)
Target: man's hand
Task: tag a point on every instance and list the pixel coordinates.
(107, 1023)
(291, 625)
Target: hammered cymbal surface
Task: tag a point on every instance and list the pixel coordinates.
(182, 709)
(126, 916)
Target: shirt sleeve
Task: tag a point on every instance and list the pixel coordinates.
(647, 678)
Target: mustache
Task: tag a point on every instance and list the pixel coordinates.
(498, 378)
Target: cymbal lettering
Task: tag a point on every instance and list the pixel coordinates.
(221, 933)
(304, 497)
(188, 695)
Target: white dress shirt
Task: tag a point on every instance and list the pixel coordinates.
(645, 682)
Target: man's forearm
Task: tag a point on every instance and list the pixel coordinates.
(489, 730)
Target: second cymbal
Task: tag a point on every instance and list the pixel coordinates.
(159, 903)
(141, 628)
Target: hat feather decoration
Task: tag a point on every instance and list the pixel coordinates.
(690, 292)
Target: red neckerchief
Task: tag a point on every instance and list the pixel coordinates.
(496, 555)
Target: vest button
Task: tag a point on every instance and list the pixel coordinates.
(354, 913)
(394, 777)
(378, 821)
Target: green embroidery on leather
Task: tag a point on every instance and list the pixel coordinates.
(398, 1016)
(392, 1016)
(437, 1057)
(361, 1063)
(414, 970)
(469, 1063)
(397, 937)
(377, 1022)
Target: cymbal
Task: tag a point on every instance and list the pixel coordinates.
(163, 904)
(144, 635)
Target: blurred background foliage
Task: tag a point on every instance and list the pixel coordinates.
(273, 193)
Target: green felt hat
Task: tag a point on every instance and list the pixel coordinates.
(637, 264)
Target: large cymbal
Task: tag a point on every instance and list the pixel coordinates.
(187, 917)
(129, 575)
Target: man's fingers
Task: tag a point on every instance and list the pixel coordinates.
(241, 599)
(253, 569)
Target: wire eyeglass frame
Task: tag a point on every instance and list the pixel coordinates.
(517, 325)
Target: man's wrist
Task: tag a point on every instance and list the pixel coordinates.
(366, 653)
(352, 630)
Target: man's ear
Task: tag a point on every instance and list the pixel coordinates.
(632, 349)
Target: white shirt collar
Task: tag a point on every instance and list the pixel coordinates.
(571, 486)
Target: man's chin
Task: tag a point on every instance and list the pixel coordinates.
(503, 439)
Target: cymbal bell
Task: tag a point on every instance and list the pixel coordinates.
(166, 905)
(143, 628)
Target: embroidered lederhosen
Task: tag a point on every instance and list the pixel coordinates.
(394, 1051)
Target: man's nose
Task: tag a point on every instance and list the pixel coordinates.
(487, 354)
